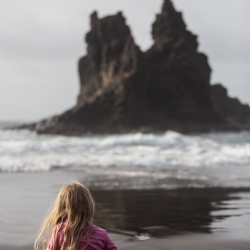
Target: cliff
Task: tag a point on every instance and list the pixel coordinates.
(123, 89)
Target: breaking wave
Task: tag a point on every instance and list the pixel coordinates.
(24, 151)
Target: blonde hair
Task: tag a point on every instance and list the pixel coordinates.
(74, 208)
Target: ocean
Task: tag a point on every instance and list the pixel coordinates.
(211, 159)
(202, 181)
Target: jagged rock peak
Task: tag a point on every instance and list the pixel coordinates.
(169, 28)
(179, 73)
(112, 72)
(111, 55)
(107, 29)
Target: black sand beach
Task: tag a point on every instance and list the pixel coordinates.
(160, 213)
(187, 242)
(186, 218)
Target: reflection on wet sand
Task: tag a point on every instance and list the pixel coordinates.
(162, 212)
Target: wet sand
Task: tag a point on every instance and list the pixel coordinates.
(161, 213)
(184, 242)
(187, 218)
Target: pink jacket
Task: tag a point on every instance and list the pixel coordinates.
(99, 240)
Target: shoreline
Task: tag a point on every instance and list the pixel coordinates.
(180, 242)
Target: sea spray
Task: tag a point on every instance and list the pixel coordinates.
(26, 151)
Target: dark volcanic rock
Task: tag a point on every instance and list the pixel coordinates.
(230, 109)
(114, 67)
(113, 81)
(123, 89)
(180, 76)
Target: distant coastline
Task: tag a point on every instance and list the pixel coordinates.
(8, 124)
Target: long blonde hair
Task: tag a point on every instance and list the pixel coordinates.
(73, 208)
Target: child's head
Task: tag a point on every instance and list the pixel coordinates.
(73, 210)
(74, 204)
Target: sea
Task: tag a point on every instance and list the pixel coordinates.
(33, 167)
(209, 159)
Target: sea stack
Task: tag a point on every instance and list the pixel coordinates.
(180, 75)
(123, 89)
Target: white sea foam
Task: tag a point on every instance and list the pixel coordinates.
(26, 151)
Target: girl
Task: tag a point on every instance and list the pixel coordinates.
(69, 225)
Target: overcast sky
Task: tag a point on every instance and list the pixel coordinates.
(41, 41)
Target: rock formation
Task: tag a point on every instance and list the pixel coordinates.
(180, 76)
(123, 89)
(230, 109)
